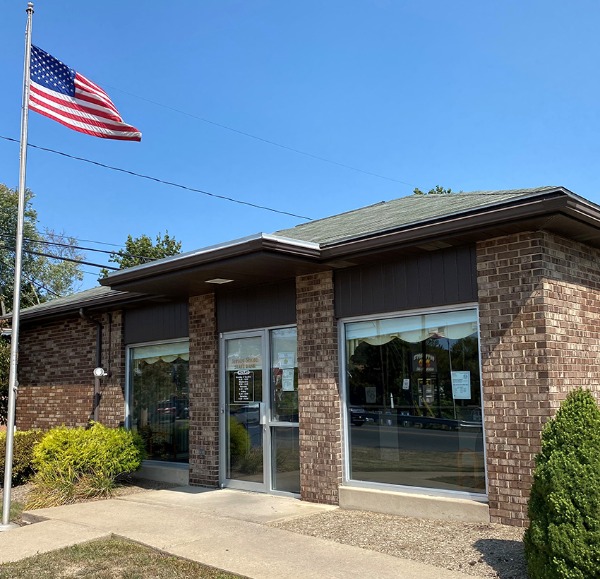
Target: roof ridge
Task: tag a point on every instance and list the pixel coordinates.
(505, 191)
(408, 209)
(339, 214)
(489, 193)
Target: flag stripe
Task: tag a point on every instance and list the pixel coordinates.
(65, 113)
(84, 92)
(66, 103)
(86, 128)
(64, 95)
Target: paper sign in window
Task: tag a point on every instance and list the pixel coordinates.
(287, 380)
(286, 359)
(461, 385)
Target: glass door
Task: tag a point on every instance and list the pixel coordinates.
(244, 411)
(283, 415)
(260, 411)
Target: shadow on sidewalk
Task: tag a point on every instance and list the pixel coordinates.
(507, 558)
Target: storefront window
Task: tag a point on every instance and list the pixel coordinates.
(414, 401)
(159, 399)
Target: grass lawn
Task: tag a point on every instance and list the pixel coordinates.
(112, 558)
(16, 509)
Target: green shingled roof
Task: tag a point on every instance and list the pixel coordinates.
(88, 298)
(390, 215)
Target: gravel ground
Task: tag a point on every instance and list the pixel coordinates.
(474, 549)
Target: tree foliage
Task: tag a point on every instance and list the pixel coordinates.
(563, 539)
(142, 249)
(43, 277)
(437, 190)
(45, 273)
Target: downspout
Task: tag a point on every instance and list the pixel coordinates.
(97, 395)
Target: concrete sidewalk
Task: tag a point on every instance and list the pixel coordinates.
(222, 528)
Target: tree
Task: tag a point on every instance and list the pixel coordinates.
(437, 190)
(45, 274)
(140, 250)
(563, 538)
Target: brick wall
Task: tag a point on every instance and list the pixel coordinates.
(56, 383)
(539, 298)
(204, 391)
(318, 391)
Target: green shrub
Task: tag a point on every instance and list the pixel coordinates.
(24, 441)
(239, 440)
(563, 539)
(79, 463)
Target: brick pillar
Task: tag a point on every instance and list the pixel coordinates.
(318, 391)
(204, 391)
(112, 388)
(539, 296)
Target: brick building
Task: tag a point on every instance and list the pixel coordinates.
(402, 357)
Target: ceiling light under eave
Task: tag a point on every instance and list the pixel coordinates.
(219, 280)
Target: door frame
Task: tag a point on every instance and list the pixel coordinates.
(267, 485)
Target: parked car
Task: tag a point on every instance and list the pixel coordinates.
(358, 416)
(172, 409)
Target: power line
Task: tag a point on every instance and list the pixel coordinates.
(94, 241)
(162, 181)
(62, 258)
(33, 281)
(262, 139)
(58, 244)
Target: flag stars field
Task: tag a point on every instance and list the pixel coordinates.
(62, 94)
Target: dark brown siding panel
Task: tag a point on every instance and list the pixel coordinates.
(441, 269)
(159, 322)
(438, 278)
(466, 282)
(257, 307)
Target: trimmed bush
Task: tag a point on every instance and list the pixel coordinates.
(78, 463)
(239, 441)
(563, 539)
(24, 442)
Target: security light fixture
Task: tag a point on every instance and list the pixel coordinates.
(100, 373)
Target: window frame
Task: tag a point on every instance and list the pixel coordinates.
(128, 386)
(347, 481)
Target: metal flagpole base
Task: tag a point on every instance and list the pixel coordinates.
(8, 527)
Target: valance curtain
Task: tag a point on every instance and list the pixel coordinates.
(451, 325)
(162, 352)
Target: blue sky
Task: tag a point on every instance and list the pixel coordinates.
(470, 94)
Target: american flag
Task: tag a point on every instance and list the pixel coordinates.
(62, 94)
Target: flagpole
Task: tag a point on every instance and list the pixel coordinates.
(14, 338)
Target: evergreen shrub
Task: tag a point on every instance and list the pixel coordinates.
(563, 539)
(79, 463)
(23, 444)
(239, 440)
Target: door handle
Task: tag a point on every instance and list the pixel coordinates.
(262, 413)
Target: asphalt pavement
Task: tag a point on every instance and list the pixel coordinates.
(227, 529)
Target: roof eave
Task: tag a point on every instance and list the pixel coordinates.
(479, 222)
(99, 304)
(238, 248)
